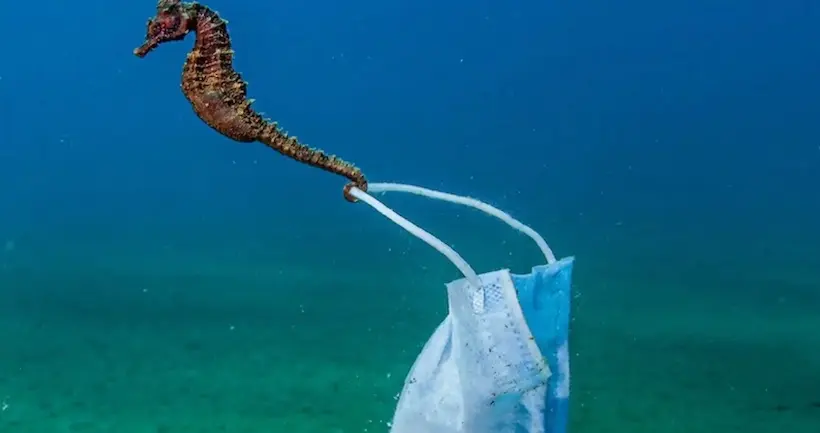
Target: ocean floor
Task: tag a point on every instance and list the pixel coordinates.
(231, 349)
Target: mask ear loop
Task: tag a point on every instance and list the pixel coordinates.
(433, 241)
(469, 202)
(420, 233)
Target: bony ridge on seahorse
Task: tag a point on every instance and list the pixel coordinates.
(218, 93)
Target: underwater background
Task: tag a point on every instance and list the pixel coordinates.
(156, 277)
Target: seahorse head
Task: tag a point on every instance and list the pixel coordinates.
(172, 23)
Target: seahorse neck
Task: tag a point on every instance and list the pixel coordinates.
(210, 30)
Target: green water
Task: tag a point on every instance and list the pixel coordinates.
(163, 339)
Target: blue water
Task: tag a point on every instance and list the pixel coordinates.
(157, 277)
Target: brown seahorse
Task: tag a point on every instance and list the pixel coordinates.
(218, 93)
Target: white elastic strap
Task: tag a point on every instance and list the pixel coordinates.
(420, 233)
(473, 203)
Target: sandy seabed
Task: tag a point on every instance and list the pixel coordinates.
(232, 350)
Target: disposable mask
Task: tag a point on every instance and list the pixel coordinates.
(499, 362)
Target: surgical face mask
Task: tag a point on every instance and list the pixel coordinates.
(499, 362)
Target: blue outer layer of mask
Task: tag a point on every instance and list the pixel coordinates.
(544, 296)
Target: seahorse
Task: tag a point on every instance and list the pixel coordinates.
(218, 93)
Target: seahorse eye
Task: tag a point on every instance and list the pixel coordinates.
(168, 24)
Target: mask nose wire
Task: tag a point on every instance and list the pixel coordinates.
(420, 233)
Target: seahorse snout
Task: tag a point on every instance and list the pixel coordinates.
(145, 48)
